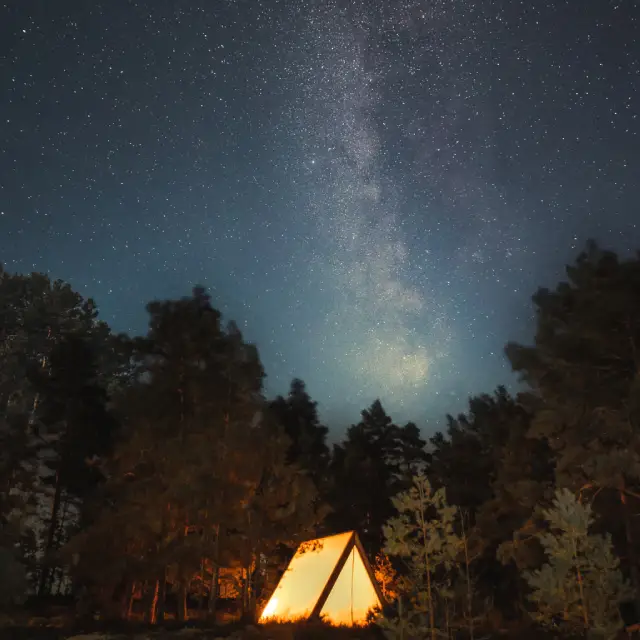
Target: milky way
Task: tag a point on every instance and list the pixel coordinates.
(363, 255)
(372, 189)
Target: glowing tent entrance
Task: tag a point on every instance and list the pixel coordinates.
(328, 577)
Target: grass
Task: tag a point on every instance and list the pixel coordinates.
(24, 625)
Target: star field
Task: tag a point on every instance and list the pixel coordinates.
(373, 190)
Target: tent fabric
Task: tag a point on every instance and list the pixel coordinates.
(329, 577)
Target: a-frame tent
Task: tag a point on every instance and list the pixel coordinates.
(329, 578)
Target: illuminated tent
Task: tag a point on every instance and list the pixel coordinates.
(329, 578)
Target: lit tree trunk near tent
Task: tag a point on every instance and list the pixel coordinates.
(153, 608)
(248, 601)
(244, 600)
(181, 607)
(162, 596)
(202, 592)
(254, 584)
(127, 601)
(214, 588)
(214, 591)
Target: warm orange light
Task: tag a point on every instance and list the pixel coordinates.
(299, 590)
(352, 596)
(270, 609)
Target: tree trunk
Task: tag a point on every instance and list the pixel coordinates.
(162, 596)
(201, 597)
(447, 623)
(244, 605)
(183, 610)
(45, 576)
(214, 591)
(153, 607)
(254, 588)
(59, 539)
(127, 601)
(631, 551)
(468, 579)
(57, 574)
(427, 560)
(583, 600)
(432, 616)
(57, 578)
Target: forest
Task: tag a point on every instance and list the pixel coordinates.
(149, 480)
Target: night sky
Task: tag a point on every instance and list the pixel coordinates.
(373, 190)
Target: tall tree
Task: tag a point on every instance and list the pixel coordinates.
(298, 414)
(584, 368)
(496, 475)
(36, 316)
(77, 427)
(423, 535)
(580, 587)
(199, 479)
(408, 454)
(365, 477)
(281, 510)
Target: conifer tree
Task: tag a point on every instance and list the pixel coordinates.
(199, 479)
(580, 588)
(73, 414)
(364, 478)
(584, 371)
(423, 535)
(37, 317)
(280, 508)
(496, 475)
(194, 395)
(298, 415)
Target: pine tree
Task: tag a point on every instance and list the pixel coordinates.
(298, 415)
(496, 475)
(580, 587)
(180, 395)
(423, 535)
(364, 478)
(584, 370)
(474, 441)
(73, 415)
(199, 479)
(36, 317)
(408, 456)
(280, 509)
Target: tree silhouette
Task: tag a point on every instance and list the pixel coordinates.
(584, 370)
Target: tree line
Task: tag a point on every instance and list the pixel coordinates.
(151, 477)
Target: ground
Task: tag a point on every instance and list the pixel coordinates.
(12, 628)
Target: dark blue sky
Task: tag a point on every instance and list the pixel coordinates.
(372, 190)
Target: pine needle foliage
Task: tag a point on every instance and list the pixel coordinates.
(580, 588)
(422, 535)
